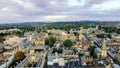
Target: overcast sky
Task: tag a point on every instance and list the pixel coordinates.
(58, 10)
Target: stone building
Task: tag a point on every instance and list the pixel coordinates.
(104, 50)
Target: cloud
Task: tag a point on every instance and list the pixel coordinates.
(110, 5)
(54, 18)
(5, 9)
(76, 3)
(58, 10)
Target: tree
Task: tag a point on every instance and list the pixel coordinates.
(100, 35)
(50, 33)
(67, 43)
(109, 36)
(47, 41)
(118, 31)
(19, 55)
(57, 50)
(1, 48)
(80, 54)
(92, 51)
(2, 39)
(76, 33)
(44, 30)
(91, 48)
(99, 27)
(50, 41)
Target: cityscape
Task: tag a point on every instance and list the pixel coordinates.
(54, 45)
(59, 34)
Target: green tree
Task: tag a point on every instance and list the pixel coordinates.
(67, 43)
(76, 33)
(91, 48)
(2, 49)
(19, 55)
(44, 30)
(2, 39)
(100, 35)
(50, 33)
(99, 27)
(80, 54)
(47, 41)
(50, 41)
(109, 36)
(92, 51)
(118, 31)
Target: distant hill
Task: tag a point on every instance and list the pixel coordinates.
(65, 22)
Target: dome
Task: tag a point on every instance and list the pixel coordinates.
(98, 50)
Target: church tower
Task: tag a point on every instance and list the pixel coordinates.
(104, 50)
(81, 34)
(96, 27)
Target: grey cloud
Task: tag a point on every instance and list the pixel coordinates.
(38, 9)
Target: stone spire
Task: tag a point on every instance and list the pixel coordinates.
(104, 44)
(96, 27)
(80, 34)
(104, 51)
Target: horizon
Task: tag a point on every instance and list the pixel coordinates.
(16, 11)
(50, 22)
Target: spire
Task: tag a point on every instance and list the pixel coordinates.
(96, 27)
(104, 44)
(104, 51)
(80, 34)
(104, 41)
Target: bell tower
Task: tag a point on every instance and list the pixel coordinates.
(81, 34)
(104, 50)
(96, 27)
